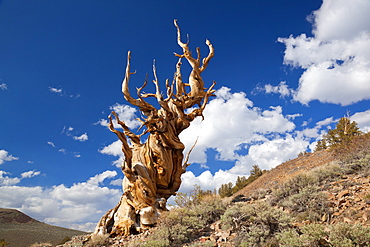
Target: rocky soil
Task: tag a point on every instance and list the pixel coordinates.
(349, 200)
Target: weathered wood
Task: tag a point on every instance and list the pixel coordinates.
(153, 169)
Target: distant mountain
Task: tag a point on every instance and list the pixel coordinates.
(19, 230)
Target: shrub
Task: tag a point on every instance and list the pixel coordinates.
(311, 235)
(338, 235)
(292, 186)
(181, 225)
(192, 198)
(41, 245)
(97, 240)
(358, 165)
(328, 173)
(344, 234)
(255, 224)
(289, 238)
(308, 204)
(354, 149)
(260, 193)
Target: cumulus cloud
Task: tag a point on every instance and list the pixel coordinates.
(363, 120)
(336, 60)
(79, 206)
(231, 121)
(3, 86)
(5, 156)
(206, 180)
(6, 180)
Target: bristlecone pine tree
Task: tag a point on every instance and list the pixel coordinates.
(343, 132)
(152, 169)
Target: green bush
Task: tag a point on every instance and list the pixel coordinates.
(311, 235)
(308, 204)
(292, 186)
(328, 173)
(344, 234)
(182, 225)
(256, 224)
(358, 165)
(338, 235)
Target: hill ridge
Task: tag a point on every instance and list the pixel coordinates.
(18, 229)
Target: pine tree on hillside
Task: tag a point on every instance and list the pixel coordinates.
(343, 132)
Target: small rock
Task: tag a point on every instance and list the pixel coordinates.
(324, 218)
(343, 193)
(347, 220)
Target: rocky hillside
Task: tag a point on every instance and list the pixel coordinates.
(313, 200)
(17, 230)
(287, 170)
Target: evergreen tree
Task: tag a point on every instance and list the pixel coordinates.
(226, 190)
(321, 145)
(256, 171)
(343, 132)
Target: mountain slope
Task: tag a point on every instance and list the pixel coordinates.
(18, 229)
(287, 170)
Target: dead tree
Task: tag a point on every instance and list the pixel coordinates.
(153, 169)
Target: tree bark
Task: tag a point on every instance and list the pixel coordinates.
(152, 170)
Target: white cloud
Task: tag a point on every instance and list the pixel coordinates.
(6, 180)
(337, 59)
(30, 174)
(206, 180)
(281, 89)
(125, 113)
(79, 206)
(272, 153)
(230, 122)
(56, 90)
(3, 86)
(51, 144)
(363, 120)
(81, 138)
(4, 156)
(115, 149)
(117, 182)
(69, 132)
(341, 19)
(61, 92)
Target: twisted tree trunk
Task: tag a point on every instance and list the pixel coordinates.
(153, 169)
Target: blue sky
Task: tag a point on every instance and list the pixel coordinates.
(286, 71)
